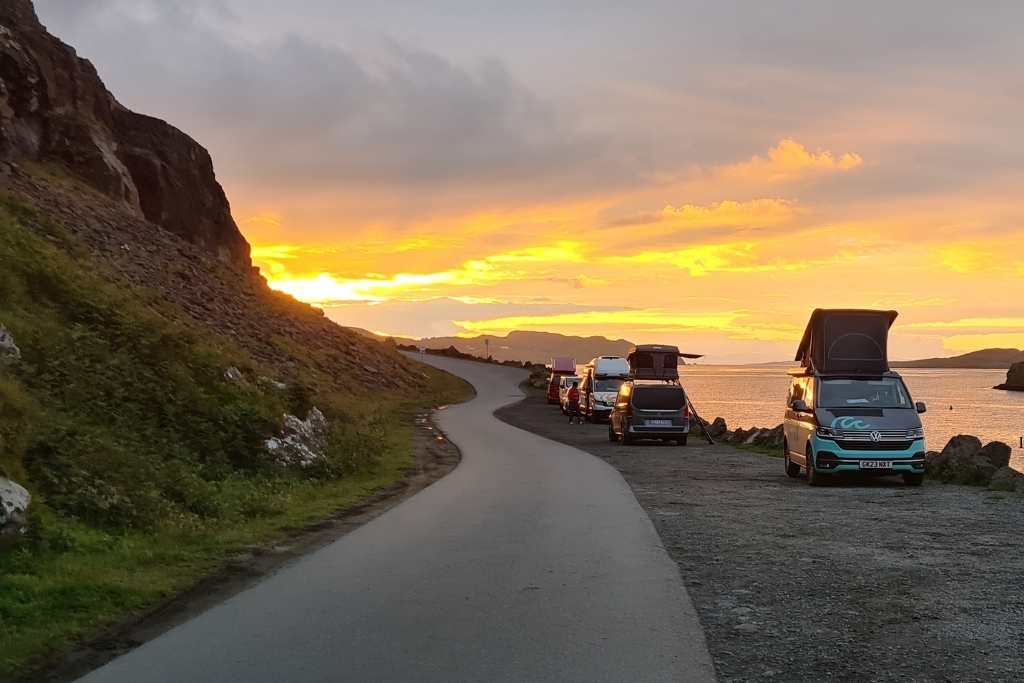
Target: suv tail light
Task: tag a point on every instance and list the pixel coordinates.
(685, 411)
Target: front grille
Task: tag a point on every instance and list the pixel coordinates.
(874, 446)
(885, 435)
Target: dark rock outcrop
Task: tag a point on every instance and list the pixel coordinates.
(54, 108)
(1007, 479)
(998, 453)
(965, 461)
(1014, 378)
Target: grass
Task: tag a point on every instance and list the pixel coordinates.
(145, 464)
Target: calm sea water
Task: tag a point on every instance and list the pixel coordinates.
(959, 401)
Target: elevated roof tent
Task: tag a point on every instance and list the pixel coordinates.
(846, 342)
(563, 365)
(656, 361)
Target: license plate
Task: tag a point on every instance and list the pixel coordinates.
(876, 464)
(658, 423)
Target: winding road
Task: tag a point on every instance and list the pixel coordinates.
(532, 561)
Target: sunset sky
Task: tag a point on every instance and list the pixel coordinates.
(701, 173)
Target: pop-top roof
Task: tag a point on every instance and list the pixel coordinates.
(846, 341)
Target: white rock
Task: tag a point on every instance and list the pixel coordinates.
(233, 374)
(272, 383)
(14, 502)
(9, 351)
(303, 443)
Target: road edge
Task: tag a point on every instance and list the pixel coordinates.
(436, 456)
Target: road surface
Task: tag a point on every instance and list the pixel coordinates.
(532, 561)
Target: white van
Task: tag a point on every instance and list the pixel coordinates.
(602, 378)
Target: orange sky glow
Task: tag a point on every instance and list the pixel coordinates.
(734, 278)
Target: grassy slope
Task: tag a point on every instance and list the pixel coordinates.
(144, 462)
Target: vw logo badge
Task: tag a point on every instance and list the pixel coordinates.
(876, 436)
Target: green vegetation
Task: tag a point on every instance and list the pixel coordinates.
(146, 464)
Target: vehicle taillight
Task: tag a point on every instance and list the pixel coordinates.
(686, 411)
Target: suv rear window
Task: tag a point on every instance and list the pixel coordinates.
(658, 398)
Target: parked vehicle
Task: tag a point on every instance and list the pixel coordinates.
(564, 382)
(846, 410)
(598, 399)
(602, 377)
(646, 409)
(560, 367)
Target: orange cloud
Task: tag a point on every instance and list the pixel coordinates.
(789, 160)
(324, 289)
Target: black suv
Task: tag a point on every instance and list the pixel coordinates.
(650, 410)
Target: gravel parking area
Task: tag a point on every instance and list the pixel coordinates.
(857, 581)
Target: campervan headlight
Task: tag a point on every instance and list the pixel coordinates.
(826, 432)
(916, 433)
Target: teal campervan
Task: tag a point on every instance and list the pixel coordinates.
(847, 411)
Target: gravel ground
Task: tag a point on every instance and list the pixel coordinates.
(857, 581)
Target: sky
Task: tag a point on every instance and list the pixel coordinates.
(698, 173)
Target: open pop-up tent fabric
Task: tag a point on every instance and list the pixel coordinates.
(847, 341)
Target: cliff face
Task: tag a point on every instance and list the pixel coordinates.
(55, 108)
(1014, 378)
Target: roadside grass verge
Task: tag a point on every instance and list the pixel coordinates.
(145, 464)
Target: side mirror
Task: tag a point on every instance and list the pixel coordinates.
(921, 408)
(800, 406)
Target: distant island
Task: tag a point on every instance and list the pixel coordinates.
(535, 347)
(985, 359)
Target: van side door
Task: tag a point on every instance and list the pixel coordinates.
(795, 426)
(803, 423)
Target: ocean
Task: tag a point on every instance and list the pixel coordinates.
(959, 401)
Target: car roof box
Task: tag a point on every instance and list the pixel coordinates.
(654, 361)
(846, 341)
(563, 364)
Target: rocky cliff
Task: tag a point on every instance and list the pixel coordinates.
(1014, 378)
(55, 108)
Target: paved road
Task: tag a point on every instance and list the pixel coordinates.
(532, 561)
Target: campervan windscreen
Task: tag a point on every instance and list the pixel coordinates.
(887, 392)
(658, 398)
(607, 385)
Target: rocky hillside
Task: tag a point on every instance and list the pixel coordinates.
(54, 107)
(142, 197)
(161, 408)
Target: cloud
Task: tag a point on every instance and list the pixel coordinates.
(727, 213)
(787, 161)
(544, 262)
(308, 114)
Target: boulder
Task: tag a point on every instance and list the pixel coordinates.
(1006, 479)
(303, 443)
(936, 463)
(1014, 378)
(968, 446)
(233, 374)
(9, 351)
(14, 502)
(998, 453)
(772, 438)
(983, 470)
(717, 428)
